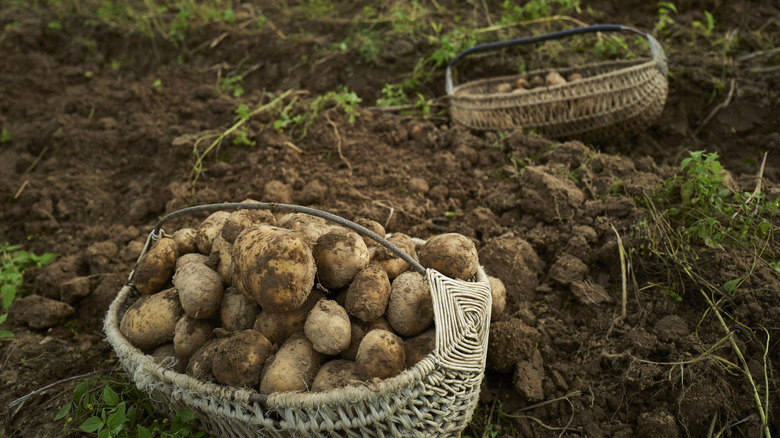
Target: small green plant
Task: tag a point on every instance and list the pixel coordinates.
(289, 119)
(705, 28)
(13, 261)
(231, 84)
(5, 136)
(665, 11)
(157, 84)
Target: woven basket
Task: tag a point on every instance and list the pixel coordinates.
(435, 398)
(613, 99)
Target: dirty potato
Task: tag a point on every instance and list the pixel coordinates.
(191, 334)
(151, 321)
(193, 257)
(278, 326)
(339, 255)
(554, 78)
(410, 309)
(371, 225)
(201, 362)
(185, 240)
(155, 267)
(358, 330)
(236, 311)
(381, 355)
(335, 374)
(310, 227)
(293, 367)
(209, 229)
(391, 263)
(498, 293)
(418, 347)
(368, 294)
(222, 253)
(166, 356)
(200, 290)
(242, 219)
(239, 359)
(328, 327)
(452, 254)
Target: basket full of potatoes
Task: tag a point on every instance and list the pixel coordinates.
(280, 320)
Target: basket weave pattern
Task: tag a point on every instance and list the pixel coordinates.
(435, 398)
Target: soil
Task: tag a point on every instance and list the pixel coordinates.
(97, 154)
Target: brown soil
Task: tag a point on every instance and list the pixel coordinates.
(97, 155)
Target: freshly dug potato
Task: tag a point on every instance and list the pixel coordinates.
(418, 347)
(209, 229)
(373, 226)
(222, 251)
(410, 309)
(452, 254)
(310, 227)
(191, 334)
(151, 321)
(381, 354)
(277, 327)
(554, 78)
(201, 362)
(335, 374)
(237, 312)
(498, 292)
(358, 329)
(390, 262)
(193, 257)
(368, 294)
(185, 240)
(339, 255)
(241, 219)
(166, 355)
(327, 327)
(293, 367)
(239, 359)
(574, 77)
(200, 290)
(274, 265)
(501, 88)
(537, 81)
(522, 84)
(155, 267)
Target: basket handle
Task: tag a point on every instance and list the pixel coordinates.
(655, 48)
(233, 206)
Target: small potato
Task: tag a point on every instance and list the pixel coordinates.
(390, 262)
(166, 355)
(275, 266)
(381, 355)
(339, 255)
(151, 321)
(239, 359)
(554, 78)
(574, 77)
(201, 362)
(310, 227)
(191, 334)
(410, 309)
(536, 81)
(418, 347)
(372, 226)
(193, 257)
(222, 250)
(358, 330)
(241, 219)
(293, 367)
(155, 267)
(327, 327)
(501, 88)
(278, 327)
(498, 292)
(200, 290)
(185, 240)
(237, 312)
(368, 294)
(335, 374)
(522, 84)
(209, 229)
(452, 254)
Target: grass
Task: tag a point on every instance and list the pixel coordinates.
(13, 262)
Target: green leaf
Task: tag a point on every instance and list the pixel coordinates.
(79, 392)
(142, 432)
(186, 415)
(116, 421)
(109, 396)
(63, 412)
(8, 291)
(91, 424)
(732, 285)
(3, 317)
(5, 334)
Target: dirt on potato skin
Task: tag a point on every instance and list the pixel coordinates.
(97, 155)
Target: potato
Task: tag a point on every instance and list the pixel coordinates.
(381, 355)
(368, 294)
(293, 367)
(339, 255)
(185, 240)
(574, 77)
(209, 229)
(310, 227)
(498, 292)
(327, 327)
(501, 88)
(390, 262)
(239, 359)
(410, 309)
(151, 321)
(193, 257)
(166, 356)
(237, 312)
(373, 226)
(358, 330)
(335, 374)
(522, 84)
(418, 347)
(200, 290)
(536, 81)
(155, 267)
(277, 327)
(241, 219)
(222, 251)
(554, 78)
(452, 254)
(275, 265)
(191, 334)
(201, 362)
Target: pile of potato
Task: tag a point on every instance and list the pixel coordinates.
(290, 303)
(537, 81)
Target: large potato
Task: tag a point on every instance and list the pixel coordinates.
(185, 239)
(410, 309)
(237, 312)
(293, 367)
(368, 294)
(381, 355)
(418, 347)
(239, 359)
(372, 226)
(277, 327)
(452, 254)
(242, 219)
(310, 227)
(200, 290)
(201, 362)
(191, 334)
(275, 266)
(328, 327)
(209, 229)
(358, 330)
(335, 374)
(151, 321)
(155, 267)
(339, 255)
(391, 263)
(498, 292)
(193, 257)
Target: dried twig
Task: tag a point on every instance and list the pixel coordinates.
(338, 142)
(715, 110)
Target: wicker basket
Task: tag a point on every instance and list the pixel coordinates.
(613, 99)
(435, 398)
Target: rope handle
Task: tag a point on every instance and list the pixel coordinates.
(656, 50)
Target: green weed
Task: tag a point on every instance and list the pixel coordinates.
(13, 261)
(5, 136)
(665, 11)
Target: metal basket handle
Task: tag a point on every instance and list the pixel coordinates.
(656, 50)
